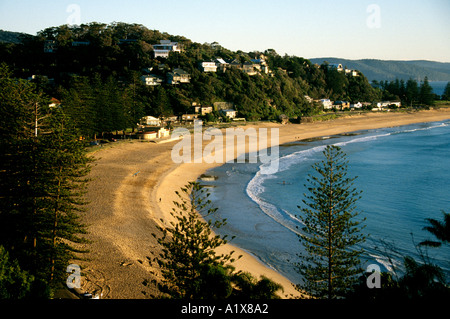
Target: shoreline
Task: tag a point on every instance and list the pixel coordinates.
(121, 226)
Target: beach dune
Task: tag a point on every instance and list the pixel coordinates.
(132, 190)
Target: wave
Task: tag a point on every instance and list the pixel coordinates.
(255, 187)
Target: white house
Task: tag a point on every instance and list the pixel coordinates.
(178, 76)
(336, 66)
(151, 121)
(230, 113)
(326, 103)
(208, 66)
(151, 80)
(357, 105)
(165, 47)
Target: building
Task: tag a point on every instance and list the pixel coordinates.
(154, 134)
(188, 117)
(203, 110)
(150, 121)
(151, 80)
(221, 64)
(326, 103)
(336, 66)
(357, 105)
(249, 68)
(208, 66)
(342, 105)
(80, 43)
(229, 113)
(165, 47)
(178, 76)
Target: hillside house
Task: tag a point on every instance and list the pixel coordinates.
(150, 121)
(221, 64)
(357, 105)
(178, 76)
(165, 47)
(208, 66)
(336, 66)
(203, 110)
(229, 113)
(151, 80)
(326, 104)
(260, 65)
(188, 118)
(342, 105)
(149, 135)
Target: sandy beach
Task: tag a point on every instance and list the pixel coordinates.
(132, 190)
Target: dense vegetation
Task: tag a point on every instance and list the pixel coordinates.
(99, 83)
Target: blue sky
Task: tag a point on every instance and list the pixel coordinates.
(353, 29)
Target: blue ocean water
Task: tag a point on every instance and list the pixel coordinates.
(404, 173)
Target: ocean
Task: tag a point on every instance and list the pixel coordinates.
(404, 173)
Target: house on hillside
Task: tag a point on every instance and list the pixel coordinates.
(208, 66)
(178, 76)
(185, 118)
(221, 64)
(165, 47)
(229, 113)
(326, 104)
(336, 66)
(203, 110)
(342, 105)
(150, 121)
(151, 79)
(249, 68)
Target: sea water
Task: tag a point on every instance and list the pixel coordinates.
(404, 173)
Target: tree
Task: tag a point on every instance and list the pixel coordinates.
(42, 170)
(446, 95)
(440, 229)
(14, 282)
(330, 259)
(188, 255)
(426, 95)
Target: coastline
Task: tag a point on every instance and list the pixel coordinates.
(125, 208)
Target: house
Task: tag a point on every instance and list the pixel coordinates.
(203, 110)
(342, 105)
(385, 104)
(356, 105)
(154, 134)
(54, 103)
(221, 64)
(178, 76)
(151, 80)
(336, 66)
(188, 117)
(248, 68)
(229, 113)
(351, 72)
(208, 66)
(165, 47)
(261, 65)
(326, 103)
(236, 64)
(151, 121)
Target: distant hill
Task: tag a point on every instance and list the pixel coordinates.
(390, 70)
(10, 37)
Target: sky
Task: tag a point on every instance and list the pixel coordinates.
(350, 29)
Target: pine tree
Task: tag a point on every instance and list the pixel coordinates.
(188, 256)
(42, 170)
(330, 233)
(426, 93)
